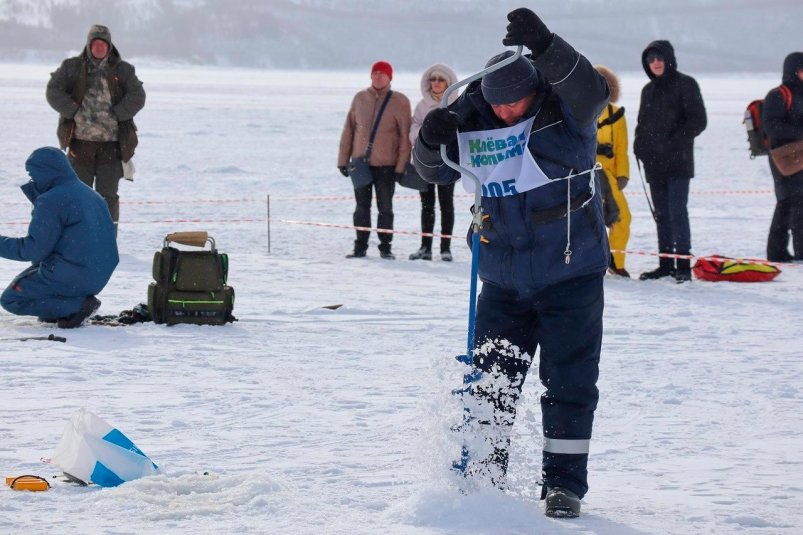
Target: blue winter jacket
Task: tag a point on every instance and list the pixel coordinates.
(524, 236)
(71, 234)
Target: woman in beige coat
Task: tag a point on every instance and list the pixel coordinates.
(434, 81)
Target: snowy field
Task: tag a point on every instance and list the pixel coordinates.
(312, 421)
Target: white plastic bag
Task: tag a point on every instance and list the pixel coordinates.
(93, 451)
(128, 170)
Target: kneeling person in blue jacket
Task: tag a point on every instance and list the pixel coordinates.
(529, 132)
(70, 243)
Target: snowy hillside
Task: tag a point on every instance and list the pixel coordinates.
(314, 421)
(710, 35)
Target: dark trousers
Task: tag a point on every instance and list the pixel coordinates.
(565, 320)
(99, 165)
(788, 216)
(29, 294)
(385, 185)
(446, 198)
(670, 200)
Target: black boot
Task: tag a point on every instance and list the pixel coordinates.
(561, 503)
(424, 253)
(666, 268)
(683, 271)
(384, 252)
(90, 305)
(360, 249)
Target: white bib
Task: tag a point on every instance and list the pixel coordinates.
(500, 160)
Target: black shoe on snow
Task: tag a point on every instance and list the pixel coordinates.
(621, 272)
(682, 275)
(658, 273)
(422, 254)
(90, 305)
(561, 503)
(446, 256)
(356, 254)
(387, 255)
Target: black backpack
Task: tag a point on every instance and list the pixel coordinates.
(759, 143)
(190, 286)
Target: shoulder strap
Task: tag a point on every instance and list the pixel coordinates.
(786, 93)
(612, 117)
(376, 125)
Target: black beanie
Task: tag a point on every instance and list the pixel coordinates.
(510, 83)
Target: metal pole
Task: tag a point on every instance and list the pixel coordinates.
(268, 206)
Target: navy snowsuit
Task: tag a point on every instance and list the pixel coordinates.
(70, 242)
(530, 296)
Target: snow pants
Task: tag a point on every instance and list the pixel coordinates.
(385, 185)
(99, 165)
(788, 216)
(619, 234)
(446, 198)
(670, 199)
(565, 321)
(30, 295)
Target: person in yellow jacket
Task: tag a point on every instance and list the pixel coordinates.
(612, 154)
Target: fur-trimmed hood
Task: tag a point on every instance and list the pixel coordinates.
(613, 82)
(426, 85)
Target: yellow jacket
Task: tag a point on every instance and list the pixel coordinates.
(614, 135)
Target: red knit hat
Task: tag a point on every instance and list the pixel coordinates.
(383, 66)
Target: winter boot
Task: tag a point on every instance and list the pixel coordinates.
(683, 271)
(424, 253)
(613, 270)
(359, 250)
(561, 503)
(384, 251)
(90, 305)
(666, 268)
(446, 255)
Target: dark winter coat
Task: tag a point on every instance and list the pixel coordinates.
(71, 236)
(784, 127)
(524, 237)
(67, 87)
(671, 115)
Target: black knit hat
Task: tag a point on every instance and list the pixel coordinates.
(510, 83)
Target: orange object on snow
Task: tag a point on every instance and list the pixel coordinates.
(27, 482)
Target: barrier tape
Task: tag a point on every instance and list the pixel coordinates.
(178, 220)
(366, 229)
(454, 237)
(317, 198)
(710, 257)
(427, 234)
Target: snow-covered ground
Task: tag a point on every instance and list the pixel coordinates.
(310, 420)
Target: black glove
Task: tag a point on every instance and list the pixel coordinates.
(344, 170)
(439, 127)
(527, 29)
(398, 176)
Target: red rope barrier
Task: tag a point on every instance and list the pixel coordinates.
(319, 198)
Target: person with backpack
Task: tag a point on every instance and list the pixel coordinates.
(71, 245)
(612, 155)
(377, 126)
(529, 132)
(782, 122)
(671, 114)
(434, 81)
